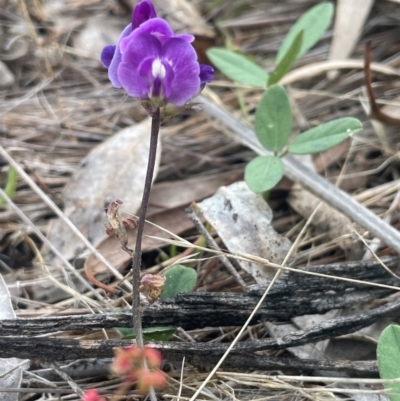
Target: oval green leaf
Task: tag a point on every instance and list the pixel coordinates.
(324, 136)
(263, 173)
(238, 67)
(388, 355)
(287, 61)
(314, 23)
(178, 279)
(159, 333)
(273, 121)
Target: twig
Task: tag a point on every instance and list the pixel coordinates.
(189, 313)
(309, 180)
(310, 70)
(376, 112)
(78, 390)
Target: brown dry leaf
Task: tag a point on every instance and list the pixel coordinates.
(174, 220)
(168, 201)
(115, 169)
(179, 193)
(243, 222)
(350, 19)
(325, 159)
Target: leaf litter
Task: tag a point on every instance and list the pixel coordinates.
(61, 107)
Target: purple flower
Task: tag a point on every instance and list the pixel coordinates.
(163, 72)
(153, 64)
(142, 13)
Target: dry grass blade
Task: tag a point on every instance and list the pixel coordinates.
(87, 301)
(68, 265)
(60, 214)
(312, 70)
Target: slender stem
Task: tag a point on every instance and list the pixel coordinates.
(137, 256)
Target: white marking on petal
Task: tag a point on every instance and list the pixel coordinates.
(157, 69)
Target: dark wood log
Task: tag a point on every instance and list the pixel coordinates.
(50, 349)
(303, 279)
(197, 310)
(290, 297)
(200, 354)
(293, 295)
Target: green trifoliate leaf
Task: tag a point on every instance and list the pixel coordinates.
(263, 173)
(314, 23)
(238, 67)
(273, 121)
(324, 136)
(287, 60)
(178, 279)
(388, 355)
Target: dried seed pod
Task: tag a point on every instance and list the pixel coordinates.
(152, 285)
(117, 226)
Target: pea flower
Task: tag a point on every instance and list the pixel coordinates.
(92, 395)
(129, 363)
(153, 64)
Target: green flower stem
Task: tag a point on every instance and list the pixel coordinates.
(137, 256)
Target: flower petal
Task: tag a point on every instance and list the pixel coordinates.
(159, 76)
(185, 36)
(142, 13)
(107, 55)
(206, 73)
(92, 395)
(157, 27)
(137, 52)
(182, 57)
(116, 60)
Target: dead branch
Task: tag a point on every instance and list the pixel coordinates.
(290, 297)
(51, 349)
(199, 354)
